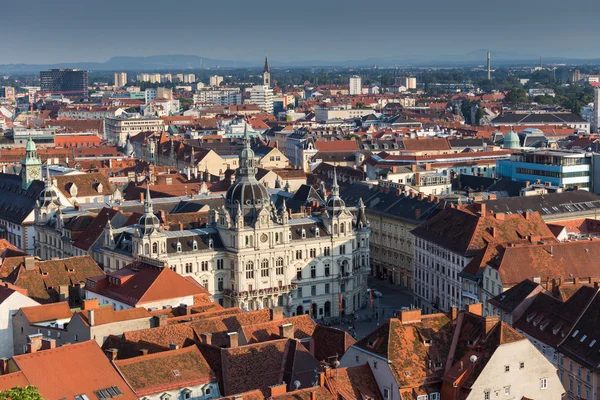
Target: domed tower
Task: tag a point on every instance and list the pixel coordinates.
(511, 141)
(148, 222)
(129, 150)
(335, 204)
(246, 193)
(31, 166)
(150, 239)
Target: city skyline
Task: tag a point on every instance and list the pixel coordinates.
(331, 32)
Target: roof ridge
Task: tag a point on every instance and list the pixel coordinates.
(160, 354)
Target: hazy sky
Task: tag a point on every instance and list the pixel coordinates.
(43, 31)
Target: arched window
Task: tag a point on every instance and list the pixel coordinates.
(249, 270)
(264, 268)
(220, 284)
(335, 229)
(154, 248)
(146, 249)
(279, 266)
(342, 228)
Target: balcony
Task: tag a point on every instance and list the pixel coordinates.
(254, 294)
(470, 295)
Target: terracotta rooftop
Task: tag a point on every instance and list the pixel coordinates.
(156, 373)
(13, 380)
(108, 315)
(304, 327)
(144, 285)
(47, 370)
(44, 281)
(47, 312)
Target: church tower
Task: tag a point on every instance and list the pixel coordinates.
(267, 73)
(31, 166)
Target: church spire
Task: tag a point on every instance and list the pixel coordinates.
(335, 189)
(148, 209)
(267, 73)
(266, 69)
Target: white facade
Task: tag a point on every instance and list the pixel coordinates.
(262, 96)
(219, 97)
(517, 370)
(437, 284)
(120, 79)
(8, 308)
(355, 85)
(199, 392)
(117, 129)
(215, 80)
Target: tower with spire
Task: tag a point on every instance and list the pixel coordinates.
(267, 73)
(31, 165)
(149, 239)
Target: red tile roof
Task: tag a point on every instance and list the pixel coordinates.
(47, 312)
(67, 371)
(337, 145)
(304, 327)
(144, 285)
(108, 315)
(13, 380)
(168, 370)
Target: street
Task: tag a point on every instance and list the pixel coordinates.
(393, 298)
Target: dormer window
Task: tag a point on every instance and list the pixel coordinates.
(195, 245)
(211, 243)
(303, 233)
(179, 247)
(317, 232)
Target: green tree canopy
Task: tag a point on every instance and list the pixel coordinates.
(19, 393)
(517, 95)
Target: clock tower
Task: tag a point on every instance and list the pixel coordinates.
(31, 166)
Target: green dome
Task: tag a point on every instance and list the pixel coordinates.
(30, 145)
(511, 141)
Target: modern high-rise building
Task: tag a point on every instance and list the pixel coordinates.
(215, 80)
(120, 79)
(355, 85)
(7, 92)
(262, 96)
(70, 82)
(189, 78)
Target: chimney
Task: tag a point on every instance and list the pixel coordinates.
(232, 340)
(91, 317)
(3, 365)
(418, 179)
(322, 379)
(481, 208)
(286, 331)
(63, 292)
(277, 390)
(453, 313)
(143, 352)
(112, 353)
(276, 313)
(492, 196)
(206, 337)
(173, 346)
(141, 197)
(527, 184)
(413, 168)
(29, 263)
(410, 316)
(159, 320)
(476, 308)
(313, 395)
(89, 304)
(490, 322)
(417, 213)
(430, 198)
(527, 215)
(421, 195)
(500, 216)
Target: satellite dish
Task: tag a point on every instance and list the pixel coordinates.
(336, 364)
(297, 384)
(473, 358)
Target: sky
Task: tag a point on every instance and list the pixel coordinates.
(45, 32)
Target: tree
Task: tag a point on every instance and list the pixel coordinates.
(18, 393)
(517, 95)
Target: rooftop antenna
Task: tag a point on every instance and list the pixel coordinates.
(488, 66)
(540, 62)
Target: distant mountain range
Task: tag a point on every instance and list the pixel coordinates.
(182, 62)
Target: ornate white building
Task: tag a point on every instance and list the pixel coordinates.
(253, 255)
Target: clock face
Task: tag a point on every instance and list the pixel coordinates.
(264, 238)
(34, 172)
